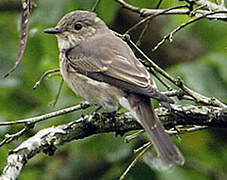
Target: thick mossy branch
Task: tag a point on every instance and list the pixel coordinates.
(47, 140)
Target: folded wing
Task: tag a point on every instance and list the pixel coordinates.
(107, 64)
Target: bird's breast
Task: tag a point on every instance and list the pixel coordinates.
(95, 92)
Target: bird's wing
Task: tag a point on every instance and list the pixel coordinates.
(108, 65)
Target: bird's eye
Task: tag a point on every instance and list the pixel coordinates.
(77, 26)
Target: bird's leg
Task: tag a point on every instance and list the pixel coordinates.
(113, 119)
(113, 113)
(94, 112)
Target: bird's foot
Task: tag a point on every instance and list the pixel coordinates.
(93, 113)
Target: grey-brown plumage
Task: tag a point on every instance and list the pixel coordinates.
(101, 68)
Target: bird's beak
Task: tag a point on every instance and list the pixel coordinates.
(52, 31)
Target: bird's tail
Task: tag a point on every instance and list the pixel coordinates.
(143, 111)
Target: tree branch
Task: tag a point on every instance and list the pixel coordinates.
(211, 7)
(43, 117)
(26, 9)
(169, 36)
(48, 140)
(181, 119)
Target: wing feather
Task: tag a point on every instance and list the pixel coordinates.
(107, 64)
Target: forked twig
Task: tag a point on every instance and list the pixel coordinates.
(152, 17)
(44, 76)
(169, 36)
(148, 145)
(10, 137)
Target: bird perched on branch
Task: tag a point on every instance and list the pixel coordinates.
(102, 69)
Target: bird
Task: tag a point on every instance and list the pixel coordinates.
(102, 68)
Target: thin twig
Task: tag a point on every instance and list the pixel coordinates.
(27, 6)
(193, 12)
(147, 145)
(152, 71)
(141, 147)
(134, 161)
(210, 6)
(152, 17)
(58, 93)
(185, 130)
(170, 35)
(43, 117)
(133, 136)
(146, 26)
(178, 82)
(180, 94)
(128, 6)
(168, 87)
(95, 5)
(44, 76)
(198, 13)
(10, 137)
(138, 42)
(159, 4)
(170, 132)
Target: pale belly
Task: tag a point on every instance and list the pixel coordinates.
(93, 91)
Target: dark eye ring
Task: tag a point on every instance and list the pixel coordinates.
(78, 26)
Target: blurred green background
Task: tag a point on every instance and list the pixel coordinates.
(198, 55)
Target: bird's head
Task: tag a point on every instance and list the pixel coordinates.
(76, 26)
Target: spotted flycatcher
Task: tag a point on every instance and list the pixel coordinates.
(102, 69)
